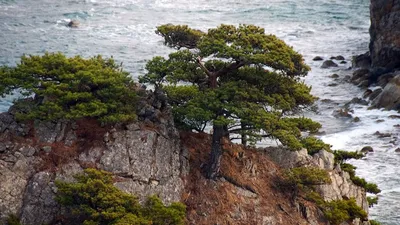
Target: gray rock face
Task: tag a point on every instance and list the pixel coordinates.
(145, 157)
(390, 96)
(385, 33)
(340, 188)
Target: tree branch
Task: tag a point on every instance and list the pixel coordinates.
(231, 67)
(198, 60)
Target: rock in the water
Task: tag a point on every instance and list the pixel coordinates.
(394, 117)
(385, 33)
(367, 93)
(334, 76)
(318, 58)
(360, 74)
(356, 119)
(333, 84)
(397, 150)
(367, 149)
(339, 57)
(390, 96)
(342, 113)
(343, 62)
(358, 101)
(362, 61)
(328, 64)
(363, 84)
(384, 79)
(73, 24)
(375, 94)
(382, 135)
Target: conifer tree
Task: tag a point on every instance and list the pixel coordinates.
(70, 88)
(238, 79)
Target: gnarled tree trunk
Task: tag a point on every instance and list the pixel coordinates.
(214, 163)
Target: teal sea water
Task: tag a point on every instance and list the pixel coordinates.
(124, 29)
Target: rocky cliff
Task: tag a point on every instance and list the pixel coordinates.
(151, 157)
(382, 63)
(145, 156)
(385, 33)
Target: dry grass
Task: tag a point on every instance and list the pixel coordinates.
(231, 200)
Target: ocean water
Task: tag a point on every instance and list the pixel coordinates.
(124, 29)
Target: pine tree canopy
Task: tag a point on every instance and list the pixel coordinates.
(70, 88)
(236, 77)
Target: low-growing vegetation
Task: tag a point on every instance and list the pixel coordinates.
(372, 200)
(304, 179)
(94, 200)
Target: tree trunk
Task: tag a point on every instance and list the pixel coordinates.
(244, 137)
(214, 163)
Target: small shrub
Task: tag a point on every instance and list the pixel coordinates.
(94, 200)
(307, 176)
(341, 156)
(314, 145)
(339, 211)
(374, 222)
(372, 201)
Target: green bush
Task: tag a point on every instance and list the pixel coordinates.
(94, 200)
(341, 156)
(71, 88)
(372, 201)
(369, 187)
(314, 145)
(374, 222)
(339, 211)
(307, 176)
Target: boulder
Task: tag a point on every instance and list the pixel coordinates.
(328, 64)
(339, 57)
(357, 101)
(362, 61)
(342, 113)
(390, 96)
(375, 94)
(318, 58)
(334, 76)
(360, 74)
(73, 24)
(367, 149)
(382, 135)
(367, 93)
(385, 33)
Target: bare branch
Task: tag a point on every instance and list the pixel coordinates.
(198, 60)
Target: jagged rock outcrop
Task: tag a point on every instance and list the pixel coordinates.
(145, 157)
(385, 33)
(340, 188)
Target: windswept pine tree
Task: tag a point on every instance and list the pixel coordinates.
(240, 80)
(70, 88)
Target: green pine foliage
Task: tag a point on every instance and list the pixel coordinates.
(372, 201)
(307, 176)
(96, 201)
(71, 88)
(238, 78)
(374, 222)
(339, 211)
